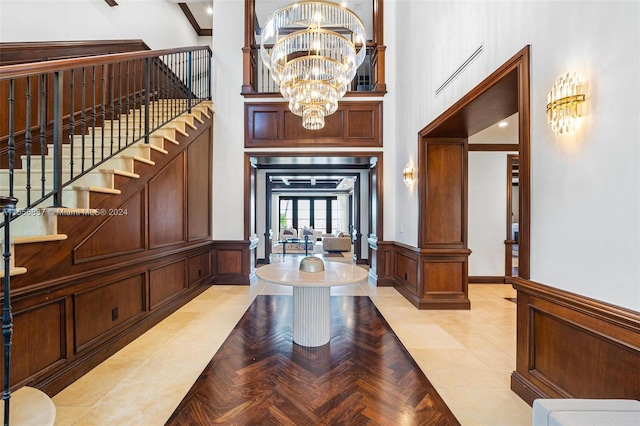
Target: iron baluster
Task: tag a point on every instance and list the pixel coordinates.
(103, 117)
(71, 124)
(8, 207)
(189, 84)
(140, 101)
(93, 115)
(112, 110)
(147, 83)
(83, 118)
(133, 123)
(27, 140)
(126, 131)
(12, 143)
(43, 129)
(209, 78)
(57, 138)
(119, 105)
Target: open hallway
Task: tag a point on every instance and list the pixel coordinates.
(468, 356)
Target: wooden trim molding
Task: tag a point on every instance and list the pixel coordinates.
(571, 346)
(111, 3)
(354, 124)
(501, 94)
(499, 147)
(486, 280)
(202, 32)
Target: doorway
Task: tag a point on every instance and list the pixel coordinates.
(264, 168)
(504, 93)
(513, 218)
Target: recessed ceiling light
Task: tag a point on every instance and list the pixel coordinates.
(210, 10)
(503, 124)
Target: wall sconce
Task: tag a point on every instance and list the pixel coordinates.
(407, 174)
(564, 107)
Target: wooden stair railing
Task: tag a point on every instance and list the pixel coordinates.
(101, 106)
(53, 102)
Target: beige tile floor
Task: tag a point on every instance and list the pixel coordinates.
(467, 355)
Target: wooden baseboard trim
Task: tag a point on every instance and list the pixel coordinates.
(486, 280)
(524, 389)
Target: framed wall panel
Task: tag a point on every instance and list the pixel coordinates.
(354, 124)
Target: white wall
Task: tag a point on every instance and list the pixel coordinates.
(228, 147)
(487, 212)
(585, 234)
(159, 24)
(585, 205)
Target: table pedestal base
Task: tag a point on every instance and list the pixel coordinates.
(311, 316)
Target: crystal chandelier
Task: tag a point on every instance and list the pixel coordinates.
(317, 48)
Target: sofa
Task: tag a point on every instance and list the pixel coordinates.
(340, 241)
(585, 412)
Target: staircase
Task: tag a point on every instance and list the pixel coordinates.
(40, 223)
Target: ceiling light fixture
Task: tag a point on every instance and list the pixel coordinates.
(503, 124)
(317, 48)
(209, 10)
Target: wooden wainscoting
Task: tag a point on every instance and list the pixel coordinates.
(571, 346)
(232, 262)
(381, 255)
(117, 274)
(62, 333)
(429, 279)
(354, 124)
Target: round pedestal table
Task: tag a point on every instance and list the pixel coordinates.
(311, 295)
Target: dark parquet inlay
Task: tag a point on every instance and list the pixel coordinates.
(362, 376)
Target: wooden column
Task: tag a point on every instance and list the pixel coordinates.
(249, 40)
(443, 257)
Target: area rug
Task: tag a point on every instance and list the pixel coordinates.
(364, 375)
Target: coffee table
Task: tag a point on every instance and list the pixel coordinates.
(312, 295)
(304, 241)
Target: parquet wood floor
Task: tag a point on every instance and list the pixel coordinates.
(362, 376)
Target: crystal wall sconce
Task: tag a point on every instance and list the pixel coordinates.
(565, 103)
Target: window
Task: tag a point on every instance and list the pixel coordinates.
(286, 213)
(320, 215)
(312, 212)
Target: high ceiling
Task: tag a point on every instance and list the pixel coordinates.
(197, 12)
